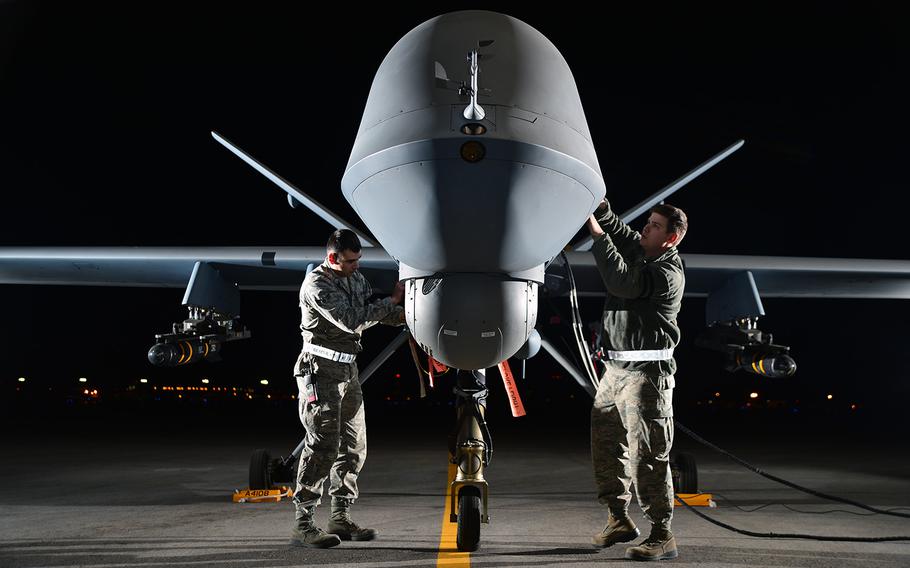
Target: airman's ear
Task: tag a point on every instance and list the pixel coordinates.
(672, 238)
(333, 258)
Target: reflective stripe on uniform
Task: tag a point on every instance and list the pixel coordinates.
(641, 355)
(327, 353)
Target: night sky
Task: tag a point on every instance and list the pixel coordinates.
(105, 140)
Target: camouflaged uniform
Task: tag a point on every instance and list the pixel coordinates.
(632, 417)
(334, 314)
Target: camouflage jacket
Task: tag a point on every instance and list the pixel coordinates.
(335, 311)
(643, 295)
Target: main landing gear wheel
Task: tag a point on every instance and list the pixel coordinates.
(468, 535)
(685, 473)
(260, 474)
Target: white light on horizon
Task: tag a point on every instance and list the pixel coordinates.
(143, 380)
(83, 380)
(21, 379)
(205, 381)
(753, 395)
(264, 382)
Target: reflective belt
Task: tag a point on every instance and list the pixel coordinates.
(330, 354)
(641, 355)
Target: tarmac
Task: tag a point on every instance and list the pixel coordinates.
(111, 495)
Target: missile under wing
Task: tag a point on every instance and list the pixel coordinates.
(473, 166)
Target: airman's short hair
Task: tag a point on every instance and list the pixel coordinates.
(343, 239)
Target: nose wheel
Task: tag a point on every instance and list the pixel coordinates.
(468, 532)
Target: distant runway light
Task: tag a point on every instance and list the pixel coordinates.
(830, 396)
(205, 381)
(753, 395)
(143, 380)
(264, 382)
(83, 380)
(21, 379)
(717, 394)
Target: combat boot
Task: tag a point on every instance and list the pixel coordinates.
(660, 545)
(343, 526)
(305, 532)
(618, 529)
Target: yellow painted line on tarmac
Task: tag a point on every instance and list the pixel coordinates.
(448, 547)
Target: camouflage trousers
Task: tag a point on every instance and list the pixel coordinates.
(336, 437)
(631, 437)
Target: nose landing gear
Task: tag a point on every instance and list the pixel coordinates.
(471, 450)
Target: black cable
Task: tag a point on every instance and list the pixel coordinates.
(794, 509)
(793, 535)
(563, 322)
(587, 362)
(790, 484)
